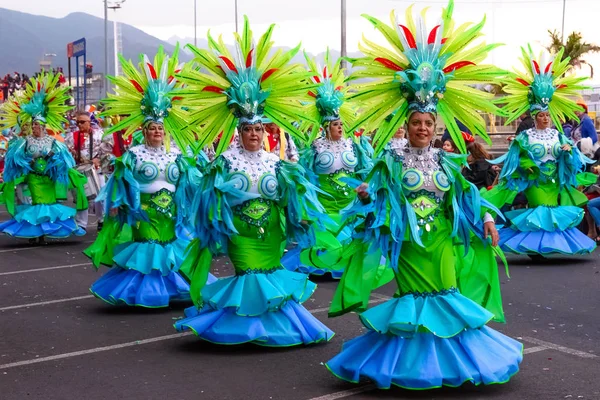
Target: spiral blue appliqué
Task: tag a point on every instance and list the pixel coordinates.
(172, 173)
(556, 149)
(349, 159)
(441, 181)
(241, 181)
(412, 179)
(538, 150)
(324, 160)
(268, 186)
(148, 171)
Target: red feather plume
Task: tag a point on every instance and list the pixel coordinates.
(311, 94)
(229, 64)
(409, 37)
(137, 86)
(561, 86)
(548, 67)
(267, 74)
(457, 65)
(522, 81)
(152, 71)
(432, 35)
(537, 66)
(249, 58)
(213, 89)
(389, 64)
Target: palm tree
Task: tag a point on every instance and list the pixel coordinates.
(575, 48)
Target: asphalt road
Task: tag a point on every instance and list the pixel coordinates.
(58, 342)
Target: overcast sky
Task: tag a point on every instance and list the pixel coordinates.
(317, 22)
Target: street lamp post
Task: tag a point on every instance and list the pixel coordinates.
(562, 38)
(105, 47)
(236, 16)
(343, 33)
(115, 5)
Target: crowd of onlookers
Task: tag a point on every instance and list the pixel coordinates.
(16, 81)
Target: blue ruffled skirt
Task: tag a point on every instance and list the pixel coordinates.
(546, 230)
(146, 275)
(428, 341)
(50, 220)
(260, 308)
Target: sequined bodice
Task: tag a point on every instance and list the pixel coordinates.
(424, 182)
(544, 144)
(155, 169)
(397, 144)
(39, 147)
(332, 156)
(253, 172)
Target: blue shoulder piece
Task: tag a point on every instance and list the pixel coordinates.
(364, 154)
(307, 161)
(388, 213)
(512, 162)
(467, 205)
(59, 163)
(123, 191)
(189, 180)
(211, 212)
(570, 163)
(298, 197)
(17, 162)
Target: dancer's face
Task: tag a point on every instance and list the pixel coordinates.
(542, 120)
(421, 128)
(36, 129)
(154, 134)
(252, 136)
(335, 130)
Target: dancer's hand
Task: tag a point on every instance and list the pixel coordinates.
(362, 192)
(566, 147)
(489, 229)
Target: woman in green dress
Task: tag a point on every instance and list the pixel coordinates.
(42, 164)
(419, 208)
(331, 160)
(249, 201)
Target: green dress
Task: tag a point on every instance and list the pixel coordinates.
(433, 333)
(247, 204)
(47, 168)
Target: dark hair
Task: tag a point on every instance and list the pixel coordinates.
(477, 152)
(437, 144)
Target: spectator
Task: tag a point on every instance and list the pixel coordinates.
(585, 132)
(283, 146)
(526, 122)
(480, 172)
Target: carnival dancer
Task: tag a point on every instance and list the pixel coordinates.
(246, 194)
(279, 142)
(43, 163)
(542, 162)
(430, 335)
(149, 191)
(79, 145)
(336, 155)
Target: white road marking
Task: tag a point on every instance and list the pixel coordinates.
(345, 393)
(24, 271)
(560, 348)
(45, 247)
(43, 303)
(96, 350)
(105, 348)
(534, 349)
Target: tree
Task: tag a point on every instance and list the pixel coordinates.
(575, 48)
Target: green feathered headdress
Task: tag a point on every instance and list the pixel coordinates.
(224, 90)
(149, 93)
(43, 100)
(543, 86)
(330, 92)
(427, 71)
